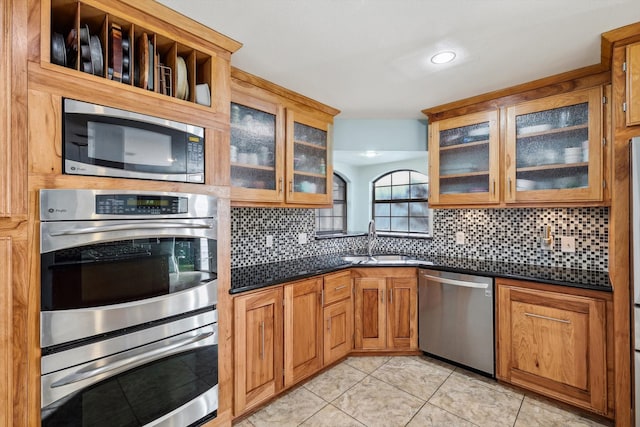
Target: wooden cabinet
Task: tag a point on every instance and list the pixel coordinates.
(402, 313)
(257, 149)
(633, 84)
(258, 355)
(464, 160)
(280, 145)
(553, 343)
(385, 310)
(551, 152)
(121, 46)
(554, 148)
(338, 316)
(302, 329)
(309, 177)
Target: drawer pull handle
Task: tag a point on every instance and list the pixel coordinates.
(553, 319)
(262, 340)
(340, 287)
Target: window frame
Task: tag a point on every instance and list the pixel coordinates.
(336, 178)
(375, 201)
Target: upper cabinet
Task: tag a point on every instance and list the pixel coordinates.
(464, 159)
(633, 84)
(547, 151)
(139, 56)
(308, 148)
(280, 145)
(554, 148)
(257, 149)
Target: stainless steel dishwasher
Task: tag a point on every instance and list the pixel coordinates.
(455, 317)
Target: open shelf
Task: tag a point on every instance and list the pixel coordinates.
(89, 40)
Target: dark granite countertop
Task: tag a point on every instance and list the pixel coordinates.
(260, 276)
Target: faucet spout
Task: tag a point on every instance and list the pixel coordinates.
(371, 235)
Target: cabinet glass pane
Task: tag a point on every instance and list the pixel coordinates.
(309, 159)
(464, 159)
(552, 148)
(253, 146)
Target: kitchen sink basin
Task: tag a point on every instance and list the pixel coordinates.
(376, 259)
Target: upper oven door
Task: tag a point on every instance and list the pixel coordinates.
(107, 141)
(103, 276)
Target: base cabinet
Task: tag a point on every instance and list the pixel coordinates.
(553, 343)
(302, 329)
(385, 310)
(338, 316)
(258, 347)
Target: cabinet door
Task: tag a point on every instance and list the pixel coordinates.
(257, 149)
(309, 171)
(370, 313)
(402, 314)
(258, 347)
(633, 84)
(554, 149)
(464, 160)
(338, 330)
(553, 344)
(302, 329)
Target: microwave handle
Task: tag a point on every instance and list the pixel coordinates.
(124, 227)
(129, 362)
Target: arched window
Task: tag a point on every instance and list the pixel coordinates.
(400, 203)
(334, 220)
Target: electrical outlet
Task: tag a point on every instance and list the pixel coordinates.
(269, 242)
(302, 238)
(460, 238)
(568, 244)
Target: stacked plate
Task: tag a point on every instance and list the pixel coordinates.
(573, 155)
(182, 85)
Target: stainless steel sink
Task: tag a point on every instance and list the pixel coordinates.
(376, 259)
(356, 258)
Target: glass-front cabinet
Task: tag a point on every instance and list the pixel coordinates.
(256, 152)
(553, 149)
(464, 160)
(308, 159)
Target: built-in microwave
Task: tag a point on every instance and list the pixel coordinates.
(105, 141)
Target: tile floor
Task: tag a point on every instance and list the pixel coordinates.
(409, 391)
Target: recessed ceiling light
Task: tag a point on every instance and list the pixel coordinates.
(370, 153)
(443, 57)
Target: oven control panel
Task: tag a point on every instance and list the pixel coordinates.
(133, 204)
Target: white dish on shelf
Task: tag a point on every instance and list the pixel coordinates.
(534, 129)
(479, 131)
(525, 184)
(182, 91)
(203, 95)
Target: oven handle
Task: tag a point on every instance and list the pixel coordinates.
(163, 349)
(125, 227)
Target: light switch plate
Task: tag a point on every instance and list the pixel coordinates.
(269, 242)
(568, 244)
(302, 238)
(460, 238)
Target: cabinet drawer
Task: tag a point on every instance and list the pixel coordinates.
(337, 287)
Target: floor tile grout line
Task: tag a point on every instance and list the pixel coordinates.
(444, 409)
(518, 414)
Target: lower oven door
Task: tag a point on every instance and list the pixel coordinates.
(136, 379)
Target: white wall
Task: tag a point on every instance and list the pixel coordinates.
(379, 135)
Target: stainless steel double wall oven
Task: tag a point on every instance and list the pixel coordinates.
(128, 308)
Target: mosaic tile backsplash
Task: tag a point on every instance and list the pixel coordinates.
(505, 235)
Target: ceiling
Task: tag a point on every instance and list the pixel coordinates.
(370, 58)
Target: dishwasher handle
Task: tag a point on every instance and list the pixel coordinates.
(455, 282)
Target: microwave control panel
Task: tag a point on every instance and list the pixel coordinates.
(128, 204)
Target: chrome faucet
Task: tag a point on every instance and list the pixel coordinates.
(371, 235)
